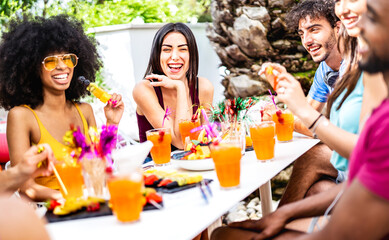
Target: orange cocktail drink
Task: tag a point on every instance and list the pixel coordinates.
(126, 197)
(71, 176)
(284, 125)
(235, 132)
(226, 157)
(263, 137)
(185, 127)
(161, 139)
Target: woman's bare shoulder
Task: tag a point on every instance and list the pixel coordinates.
(142, 85)
(87, 110)
(21, 120)
(20, 113)
(204, 83)
(142, 89)
(85, 107)
(205, 86)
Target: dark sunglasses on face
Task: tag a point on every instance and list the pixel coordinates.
(51, 62)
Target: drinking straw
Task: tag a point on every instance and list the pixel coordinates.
(208, 188)
(272, 98)
(168, 112)
(41, 149)
(203, 193)
(59, 179)
(155, 204)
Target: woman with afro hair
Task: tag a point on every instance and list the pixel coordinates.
(40, 62)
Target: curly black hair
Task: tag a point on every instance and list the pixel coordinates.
(23, 49)
(314, 9)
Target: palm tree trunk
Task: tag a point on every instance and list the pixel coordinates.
(246, 34)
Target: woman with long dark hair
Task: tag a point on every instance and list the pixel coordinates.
(171, 81)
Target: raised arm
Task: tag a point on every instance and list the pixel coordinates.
(114, 109)
(272, 78)
(148, 105)
(15, 177)
(336, 138)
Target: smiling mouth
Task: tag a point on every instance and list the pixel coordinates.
(175, 67)
(350, 22)
(314, 49)
(61, 78)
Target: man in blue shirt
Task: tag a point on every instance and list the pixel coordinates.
(318, 26)
(361, 212)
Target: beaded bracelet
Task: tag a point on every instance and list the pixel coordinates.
(314, 122)
(315, 126)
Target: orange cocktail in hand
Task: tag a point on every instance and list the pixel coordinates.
(161, 139)
(226, 157)
(284, 125)
(263, 136)
(186, 126)
(71, 175)
(126, 197)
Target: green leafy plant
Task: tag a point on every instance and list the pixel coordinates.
(95, 14)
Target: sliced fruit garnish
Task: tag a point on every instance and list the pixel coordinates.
(280, 118)
(93, 207)
(51, 204)
(161, 133)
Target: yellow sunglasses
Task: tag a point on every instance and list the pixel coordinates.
(51, 62)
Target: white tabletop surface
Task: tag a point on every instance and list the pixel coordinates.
(186, 213)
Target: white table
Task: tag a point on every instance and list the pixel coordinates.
(185, 213)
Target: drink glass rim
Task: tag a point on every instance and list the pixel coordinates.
(264, 123)
(157, 130)
(187, 120)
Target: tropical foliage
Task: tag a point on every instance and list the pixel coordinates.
(97, 13)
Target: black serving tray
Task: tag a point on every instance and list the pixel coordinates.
(81, 214)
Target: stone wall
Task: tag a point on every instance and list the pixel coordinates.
(246, 34)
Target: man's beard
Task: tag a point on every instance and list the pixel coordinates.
(328, 46)
(374, 64)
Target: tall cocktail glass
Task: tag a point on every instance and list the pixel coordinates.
(284, 125)
(186, 126)
(126, 196)
(234, 132)
(71, 176)
(161, 139)
(94, 174)
(226, 157)
(263, 137)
